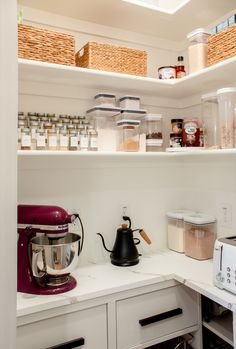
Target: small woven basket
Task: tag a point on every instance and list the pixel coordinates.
(221, 46)
(112, 58)
(45, 45)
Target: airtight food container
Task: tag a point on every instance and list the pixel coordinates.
(152, 125)
(128, 135)
(175, 229)
(130, 102)
(199, 235)
(105, 99)
(197, 49)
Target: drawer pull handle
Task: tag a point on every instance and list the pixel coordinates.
(70, 345)
(159, 317)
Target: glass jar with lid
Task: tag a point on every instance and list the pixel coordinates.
(40, 139)
(84, 140)
(199, 235)
(197, 50)
(52, 139)
(21, 126)
(64, 140)
(210, 120)
(93, 140)
(152, 125)
(25, 139)
(33, 128)
(128, 138)
(73, 139)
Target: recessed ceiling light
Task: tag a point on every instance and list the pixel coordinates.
(166, 6)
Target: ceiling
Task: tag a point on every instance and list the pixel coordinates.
(123, 15)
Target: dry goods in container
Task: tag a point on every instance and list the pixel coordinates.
(84, 140)
(25, 139)
(40, 140)
(210, 121)
(227, 116)
(128, 138)
(177, 125)
(130, 102)
(176, 140)
(73, 139)
(199, 235)
(52, 139)
(63, 140)
(175, 229)
(93, 140)
(191, 133)
(197, 50)
(152, 126)
(105, 99)
(168, 72)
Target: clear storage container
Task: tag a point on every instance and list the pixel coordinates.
(130, 102)
(199, 235)
(210, 121)
(197, 50)
(152, 126)
(227, 116)
(105, 99)
(175, 229)
(128, 138)
(101, 117)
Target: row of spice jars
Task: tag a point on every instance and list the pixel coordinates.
(50, 119)
(186, 133)
(192, 233)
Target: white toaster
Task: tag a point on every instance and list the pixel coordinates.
(224, 263)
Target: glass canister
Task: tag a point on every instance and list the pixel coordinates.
(210, 120)
(152, 124)
(73, 140)
(175, 229)
(25, 139)
(197, 50)
(199, 235)
(40, 139)
(63, 140)
(227, 117)
(93, 140)
(52, 139)
(128, 138)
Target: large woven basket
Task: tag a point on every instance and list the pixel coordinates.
(221, 46)
(112, 58)
(45, 45)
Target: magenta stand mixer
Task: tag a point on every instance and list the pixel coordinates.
(47, 251)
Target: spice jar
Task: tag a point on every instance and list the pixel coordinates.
(191, 133)
(199, 235)
(93, 140)
(84, 140)
(40, 139)
(33, 127)
(128, 135)
(227, 116)
(197, 50)
(152, 125)
(21, 126)
(25, 139)
(52, 139)
(64, 140)
(210, 120)
(175, 140)
(175, 229)
(73, 140)
(177, 125)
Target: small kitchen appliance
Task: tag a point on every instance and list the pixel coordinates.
(224, 263)
(47, 251)
(124, 252)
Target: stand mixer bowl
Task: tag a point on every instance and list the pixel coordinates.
(54, 258)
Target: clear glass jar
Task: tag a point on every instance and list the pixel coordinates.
(25, 139)
(152, 125)
(73, 140)
(51, 139)
(93, 140)
(84, 140)
(21, 126)
(64, 140)
(128, 135)
(33, 128)
(210, 121)
(197, 50)
(227, 117)
(40, 139)
(50, 116)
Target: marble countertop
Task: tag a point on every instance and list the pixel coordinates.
(99, 280)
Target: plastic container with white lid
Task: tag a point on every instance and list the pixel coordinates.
(227, 116)
(130, 102)
(175, 229)
(199, 235)
(128, 135)
(197, 50)
(210, 120)
(105, 99)
(152, 127)
(131, 114)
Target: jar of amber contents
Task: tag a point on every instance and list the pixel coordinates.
(63, 140)
(33, 128)
(128, 135)
(25, 139)
(40, 139)
(73, 140)
(52, 139)
(191, 133)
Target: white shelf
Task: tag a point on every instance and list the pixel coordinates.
(210, 78)
(222, 327)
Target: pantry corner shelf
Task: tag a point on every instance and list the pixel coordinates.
(213, 77)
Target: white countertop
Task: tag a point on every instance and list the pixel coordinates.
(99, 280)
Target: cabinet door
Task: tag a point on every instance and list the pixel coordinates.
(85, 329)
(143, 318)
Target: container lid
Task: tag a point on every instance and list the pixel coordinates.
(226, 90)
(134, 111)
(104, 94)
(132, 98)
(177, 120)
(127, 122)
(208, 95)
(166, 66)
(179, 214)
(199, 218)
(103, 111)
(198, 31)
(153, 117)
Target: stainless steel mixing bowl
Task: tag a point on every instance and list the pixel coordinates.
(54, 258)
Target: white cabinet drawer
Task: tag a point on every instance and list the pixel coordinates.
(143, 318)
(89, 324)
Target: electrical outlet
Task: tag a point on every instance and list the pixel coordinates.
(225, 218)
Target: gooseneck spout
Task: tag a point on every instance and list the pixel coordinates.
(103, 242)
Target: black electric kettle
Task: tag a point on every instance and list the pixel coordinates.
(125, 252)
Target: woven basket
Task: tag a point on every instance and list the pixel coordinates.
(45, 45)
(112, 58)
(221, 46)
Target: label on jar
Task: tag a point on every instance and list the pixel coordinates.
(83, 141)
(40, 141)
(74, 141)
(191, 134)
(154, 142)
(52, 141)
(64, 141)
(175, 141)
(94, 142)
(26, 141)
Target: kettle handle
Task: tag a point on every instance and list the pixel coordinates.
(103, 242)
(145, 236)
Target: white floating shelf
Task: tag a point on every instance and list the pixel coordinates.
(222, 327)
(216, 76)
